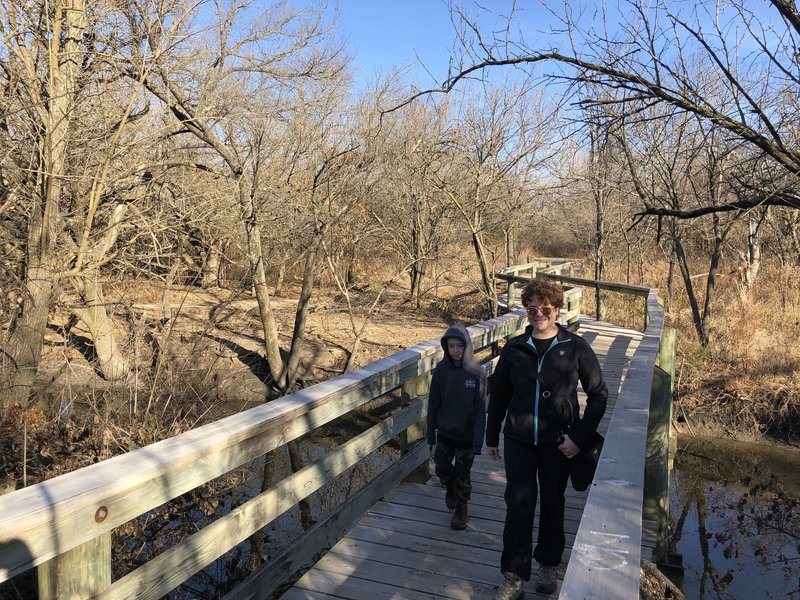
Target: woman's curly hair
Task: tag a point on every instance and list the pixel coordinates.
(548, 292)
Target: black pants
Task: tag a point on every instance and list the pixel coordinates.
(453, 467)
(532, 470)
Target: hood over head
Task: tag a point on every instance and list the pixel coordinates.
(458, 330)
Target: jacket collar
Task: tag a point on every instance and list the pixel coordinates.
(561, 333)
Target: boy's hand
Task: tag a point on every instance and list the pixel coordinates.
(494, 453)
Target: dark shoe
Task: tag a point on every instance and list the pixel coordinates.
(450, 496)
(546, 579)
(460, 517)
(511, 588)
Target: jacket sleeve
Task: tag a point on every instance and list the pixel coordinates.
(434, 403)
(591, 378)
(480, 415)
(499, 398)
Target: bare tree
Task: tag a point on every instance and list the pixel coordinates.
(60, 147)
(414, 221)
(498, 142)
(677, 164)
(230, 87)
(646, 54)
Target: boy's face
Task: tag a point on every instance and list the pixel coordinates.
(455, 348)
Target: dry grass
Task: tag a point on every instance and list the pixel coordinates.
(745, 383)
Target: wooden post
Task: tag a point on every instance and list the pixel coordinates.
(82, 572)
(658, 453)
(666, 360)
(412, 389)
(655, 506)
(510, 298)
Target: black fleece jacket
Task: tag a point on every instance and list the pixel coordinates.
(456, 402)
(538, 395)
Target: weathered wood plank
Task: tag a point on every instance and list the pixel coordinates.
(168, 570)
(606, 556)
(326, 533)
(349, 587)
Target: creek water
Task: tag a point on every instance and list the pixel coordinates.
(735, 520)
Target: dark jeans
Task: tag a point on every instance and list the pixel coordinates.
(525, 464)
(453, 467)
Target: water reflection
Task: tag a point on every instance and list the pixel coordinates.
(735, 511)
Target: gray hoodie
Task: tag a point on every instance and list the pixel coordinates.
(457, 402)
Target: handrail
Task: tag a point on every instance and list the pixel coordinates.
(51, 519)
(606, 554)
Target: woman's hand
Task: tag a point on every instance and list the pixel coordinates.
(568, 447)
(494, 453)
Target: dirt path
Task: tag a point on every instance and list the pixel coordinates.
(213, 344)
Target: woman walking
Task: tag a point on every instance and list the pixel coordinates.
(535, 393)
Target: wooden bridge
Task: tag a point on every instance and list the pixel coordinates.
(391, 539)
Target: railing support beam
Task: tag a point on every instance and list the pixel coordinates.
(82, 572)
(410, 391)
(655, 506)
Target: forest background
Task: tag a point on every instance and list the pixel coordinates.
(201, 211)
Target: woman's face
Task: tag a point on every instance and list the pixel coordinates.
(542, 317)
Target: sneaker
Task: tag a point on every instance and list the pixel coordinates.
(546, 579)
(511, 588)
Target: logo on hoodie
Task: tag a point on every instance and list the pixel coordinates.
(470, 384)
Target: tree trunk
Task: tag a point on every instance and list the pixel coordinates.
(599, 260)
(487, 276)
(26, 341)
(683, 265)
(41, 278)
(280, 280)
(301, 314)
(417, 253)
(511, 247)
(211, 268)
(753, 264)
(259, 274)
(598, 167)
(113, 364)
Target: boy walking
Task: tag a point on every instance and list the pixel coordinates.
(456, 419)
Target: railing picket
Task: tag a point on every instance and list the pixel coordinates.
(82, 572)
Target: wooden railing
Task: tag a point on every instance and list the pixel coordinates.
(63, 525)
(632, 482)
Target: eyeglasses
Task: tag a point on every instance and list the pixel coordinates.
(532, 310)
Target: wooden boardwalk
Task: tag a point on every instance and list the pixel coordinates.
(403, 547)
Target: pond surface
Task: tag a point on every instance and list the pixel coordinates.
(735, 511)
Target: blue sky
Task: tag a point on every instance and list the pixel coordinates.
(385, 34)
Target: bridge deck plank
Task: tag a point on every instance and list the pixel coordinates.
(403, 546)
